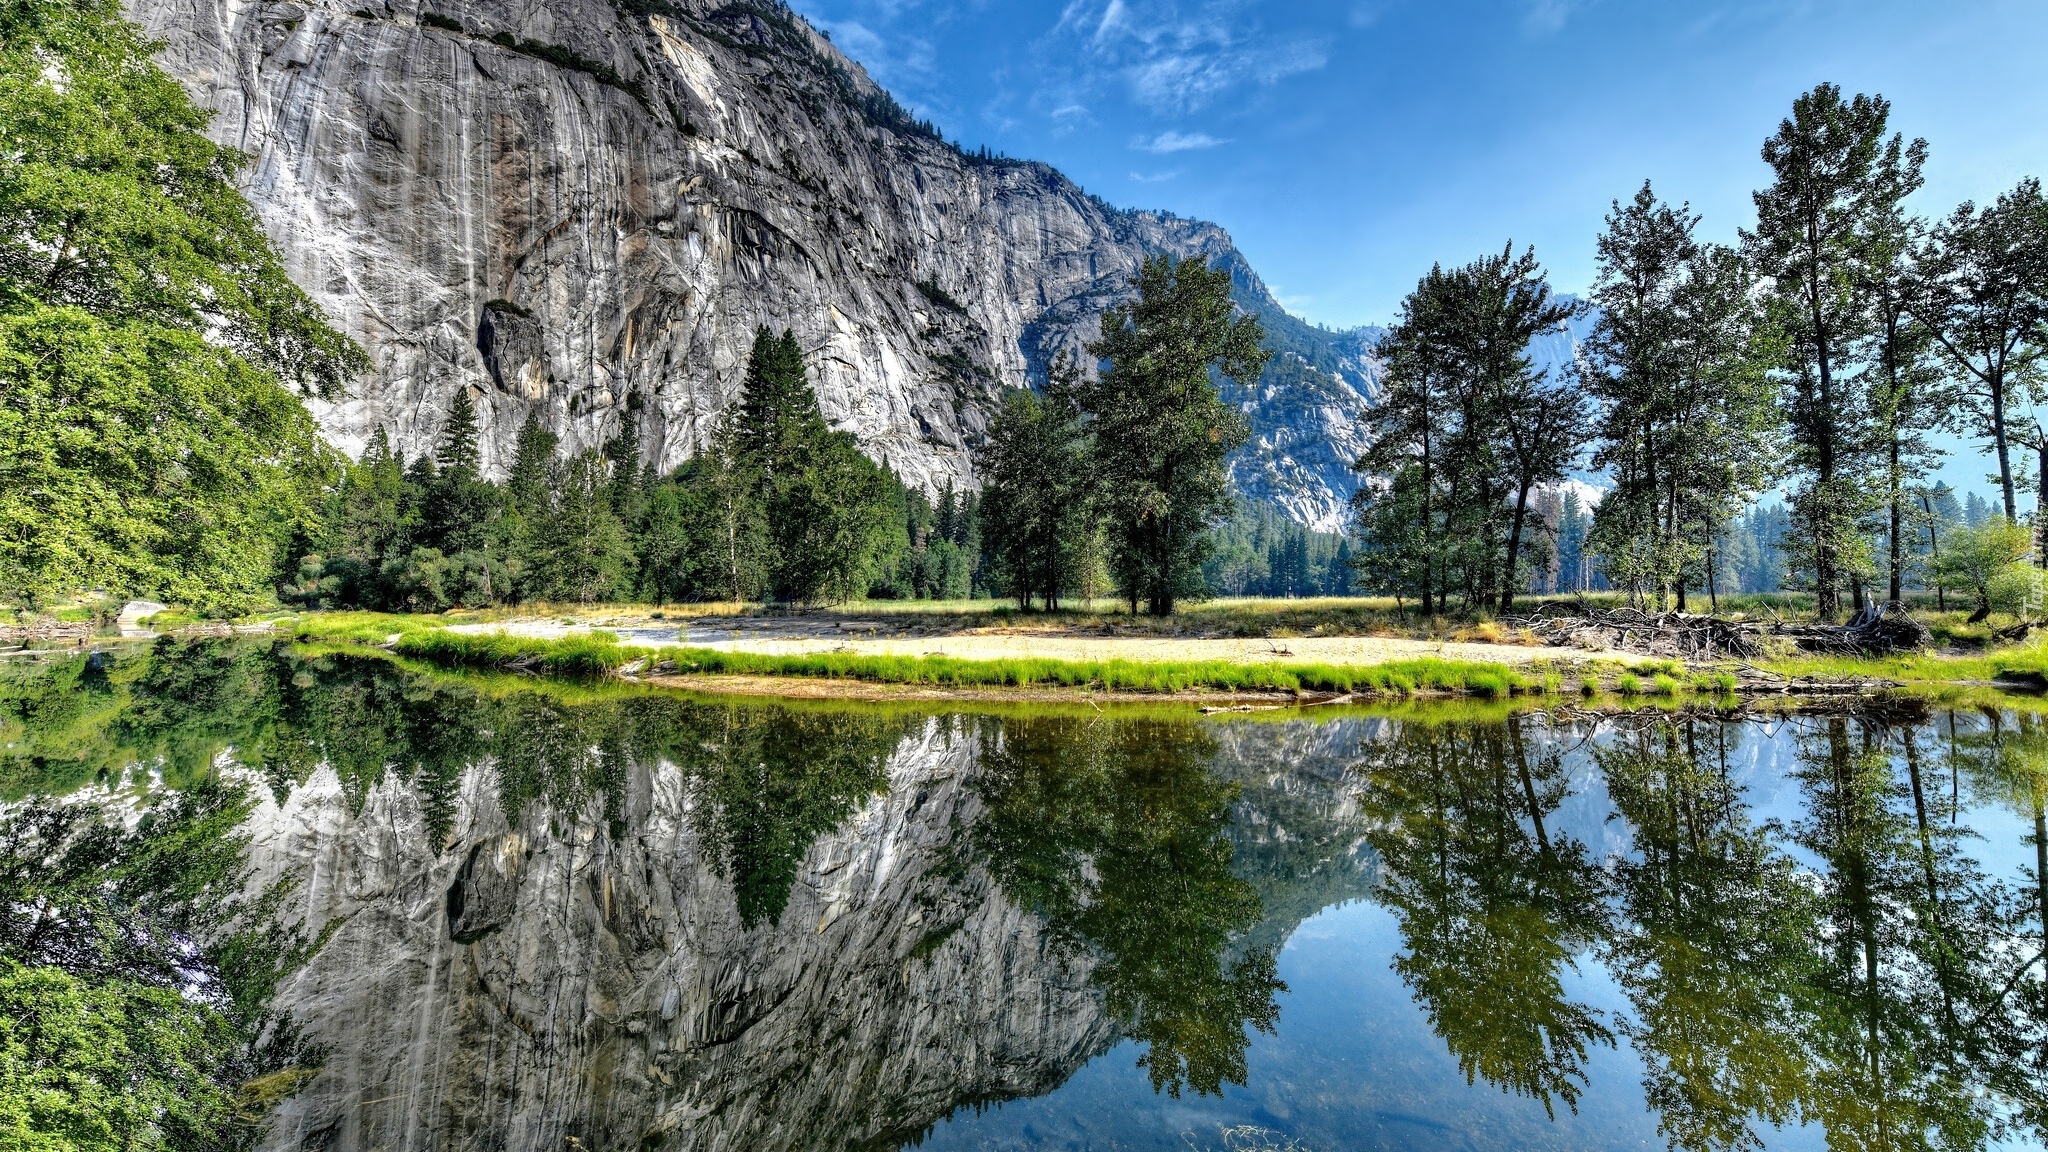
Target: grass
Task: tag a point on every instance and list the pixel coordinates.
(1398, 678)
(589, 654)
(600, 653)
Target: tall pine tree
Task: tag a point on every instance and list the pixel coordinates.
(1161, 432)
(1833, 167)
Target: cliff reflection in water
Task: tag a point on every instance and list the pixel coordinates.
(558, 915)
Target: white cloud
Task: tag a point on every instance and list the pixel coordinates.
(1158, 178)
(1167, 143)
(1546, 17)
(1176, 58)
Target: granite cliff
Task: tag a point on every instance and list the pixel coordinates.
(584, 208)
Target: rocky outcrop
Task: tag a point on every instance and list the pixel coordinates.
(584, 209)
(550, 976)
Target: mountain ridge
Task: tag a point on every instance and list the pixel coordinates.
(583, 210)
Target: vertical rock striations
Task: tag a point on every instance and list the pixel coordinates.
(548, 977)
(585, 208)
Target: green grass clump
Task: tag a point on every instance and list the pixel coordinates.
(1553, 684)
(1664, 685)
(1589, 685)
(590, 654)
(1722, 683)
(362, 627)
(1630, 684)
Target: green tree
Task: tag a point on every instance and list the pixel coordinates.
(1037, 498)
(134, 979)
(1988, 563)
(1468, 431)
(731, 527)
(1679, 359)
(1493, 900)
(1909, 400)
(832, 521)
(1985, 301)
(1161, 432)
(149, 338)
(460, 504)
(582, 550)
(1115, 834)
(1834, 174)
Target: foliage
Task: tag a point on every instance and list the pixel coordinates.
(1114, 834)
(1161, 433)
(1467, 432)
(1679, 358)
(135, 978)
(149, 338)
(1039, 499)
(1989, 563)
(1983, 296)
(1835, 175)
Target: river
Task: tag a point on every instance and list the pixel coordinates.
(548, 915)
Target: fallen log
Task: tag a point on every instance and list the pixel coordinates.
(1877, 630)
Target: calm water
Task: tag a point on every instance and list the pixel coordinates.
(561, 916)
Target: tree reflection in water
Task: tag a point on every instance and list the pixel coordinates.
(1114, 833)
(1858, 970)
(1492, 904)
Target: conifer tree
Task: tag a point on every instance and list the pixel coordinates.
(532, 454)
(1036, 502)
(1679, 358)
(459, 503)
(1985, 302)
(583, 553)
(1834, 168)
(1161, 432)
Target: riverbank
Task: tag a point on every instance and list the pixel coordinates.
(872, 667)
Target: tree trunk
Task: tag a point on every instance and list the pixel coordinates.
(2041, 506)
(1428, 515)
(1998, 437)
(1507, 587)
(1898, 521)
(1934, 554)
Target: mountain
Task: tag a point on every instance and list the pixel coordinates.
(584, 209)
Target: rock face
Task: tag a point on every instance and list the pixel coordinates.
(584, 209)
(552, 976)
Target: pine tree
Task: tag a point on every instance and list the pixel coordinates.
(1985, 301)
(1036, 503)
(1679, 358)
(1833, 169)
(456, 448)
(533, 452)
(1161, 432)
(459, 504)
(582, 550)
(1909, 400)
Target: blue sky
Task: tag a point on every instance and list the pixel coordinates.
(1348, 144)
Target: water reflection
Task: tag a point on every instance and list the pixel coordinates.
(626, 918)
(1115, 834)
(1493, 905)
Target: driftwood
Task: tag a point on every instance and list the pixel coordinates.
(1877, 630)
(1679, 635)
